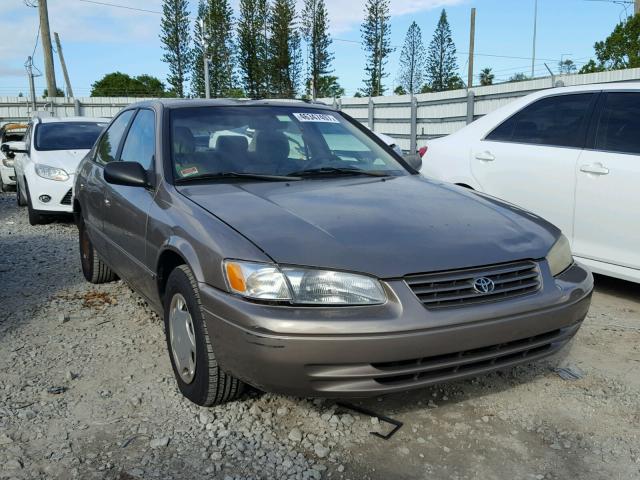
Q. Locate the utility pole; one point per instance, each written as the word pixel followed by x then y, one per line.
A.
pixel 46 48
pixel 205 60
pixel 472 36
pixel 29 66
pixel 63 64
pixel 636 7
pixel 535 25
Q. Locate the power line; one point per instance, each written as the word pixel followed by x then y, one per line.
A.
pixel 121 6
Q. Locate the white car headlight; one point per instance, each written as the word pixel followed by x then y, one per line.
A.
pixel 51 173
pixel 560 257
pixel 305 286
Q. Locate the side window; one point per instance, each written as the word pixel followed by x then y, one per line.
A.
pixel 619 123
pixel 139 145
pixel 557 121
pixel 108 146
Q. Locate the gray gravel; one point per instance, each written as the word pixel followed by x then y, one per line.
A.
pixel 86 391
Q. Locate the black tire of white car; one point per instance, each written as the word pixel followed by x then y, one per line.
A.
pixel 210 385
pixel 35 218
pixel 3 186
pixel 93 268
pixel 19 197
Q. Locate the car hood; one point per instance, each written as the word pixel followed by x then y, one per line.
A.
pixel 387 228
pixel 68 160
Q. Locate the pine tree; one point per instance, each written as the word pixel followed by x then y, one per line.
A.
pixel 176 40
pixel 315 31
pixel 253 47
pixel 441 58
pixel 376 33
pixel 285 54
pixel 197 63
pixel 219 28
pixel 412 61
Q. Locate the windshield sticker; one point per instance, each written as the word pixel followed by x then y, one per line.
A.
pixel 316 117
pixel 185 172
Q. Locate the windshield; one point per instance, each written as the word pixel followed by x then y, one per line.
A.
pixel 67 135
pixel 276 141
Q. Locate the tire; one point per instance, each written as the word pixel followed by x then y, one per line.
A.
pixel 35 218
pixel 3 186
pixel 202 380
pixel 19 197
pixel 93 268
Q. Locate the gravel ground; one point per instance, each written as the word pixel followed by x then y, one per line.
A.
pixel 86 391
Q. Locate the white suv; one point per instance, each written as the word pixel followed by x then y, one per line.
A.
pixel 46 162
pixel 9 133
pixel 570 155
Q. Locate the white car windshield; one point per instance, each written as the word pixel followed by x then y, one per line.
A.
pixel 67 135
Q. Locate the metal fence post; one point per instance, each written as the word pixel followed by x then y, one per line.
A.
pixel 76 107
pixel 413 142
pixel 339 106
pixel 470 110
pixel 371 113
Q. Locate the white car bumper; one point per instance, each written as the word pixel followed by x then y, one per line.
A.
pixel 8 175
pixel 59 193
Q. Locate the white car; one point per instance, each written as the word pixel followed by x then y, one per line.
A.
pixel 46 162
pixel 570 155
pixel 9 133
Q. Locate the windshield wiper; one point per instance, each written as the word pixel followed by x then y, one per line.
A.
pixel 250 176
pixel 312 172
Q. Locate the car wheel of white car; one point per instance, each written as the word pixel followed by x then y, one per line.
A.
pixel 19 197
pixel 3 186
pixel 196 369
pixel 93 268
pixel 35 218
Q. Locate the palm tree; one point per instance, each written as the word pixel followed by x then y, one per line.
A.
pixel 486 77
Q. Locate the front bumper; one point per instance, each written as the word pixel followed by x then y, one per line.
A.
pixel 7 174
pixel 363 351
pixel 59 192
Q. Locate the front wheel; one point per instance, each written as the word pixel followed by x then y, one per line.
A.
pixel 194 363
pixel 93 268
pixel 19 197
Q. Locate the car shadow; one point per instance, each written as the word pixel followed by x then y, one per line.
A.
pixel 616 287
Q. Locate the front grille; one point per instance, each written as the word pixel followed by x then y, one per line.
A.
pixel 438 367
pixel 455 288
pixel 66 200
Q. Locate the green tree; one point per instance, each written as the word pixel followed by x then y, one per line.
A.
pixel 412 61
pixel 176 42
pixel 619 50
pixel 399 90
pixel 315 32
pixel 327 87
pixel 197 64
pixel 376 37
pixel 59 93
pixel 566 66
pixel 518 77
pixel 591 67
pixel 253 47
pixel 118 84
pixel 285 54
pixel 486 77
pixel 441 57
pixel 220 47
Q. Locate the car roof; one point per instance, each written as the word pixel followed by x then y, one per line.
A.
pixel 71 119
pixel 175 103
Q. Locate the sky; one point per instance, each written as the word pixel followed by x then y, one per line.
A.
pixel 99 39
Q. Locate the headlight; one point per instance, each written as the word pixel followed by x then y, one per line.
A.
pixel 301 285
pixel 8 162
pixel 51 173
pixel 559 257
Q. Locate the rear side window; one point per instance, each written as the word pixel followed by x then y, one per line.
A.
pixel 619 125
pixel 140 143
pixel 556 121
pixel 110 141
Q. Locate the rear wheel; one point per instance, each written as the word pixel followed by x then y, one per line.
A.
pixel 93 268
pixel 194 363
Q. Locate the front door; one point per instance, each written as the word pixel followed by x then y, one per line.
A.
pixel 530 159
pixel 607 219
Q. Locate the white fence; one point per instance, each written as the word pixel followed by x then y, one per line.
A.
pixel 408 120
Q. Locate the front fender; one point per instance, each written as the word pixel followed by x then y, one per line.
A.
pixel 182 247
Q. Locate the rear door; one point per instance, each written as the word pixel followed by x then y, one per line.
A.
pixel 126 217
pixel 530 158
pixel 607 218
pixel 94 189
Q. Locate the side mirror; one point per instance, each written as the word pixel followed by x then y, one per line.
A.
pixel 130 174
pixel 15 147
pixel 414 160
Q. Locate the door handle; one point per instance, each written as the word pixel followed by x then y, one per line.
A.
pixel 485 156
pixel 595 168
